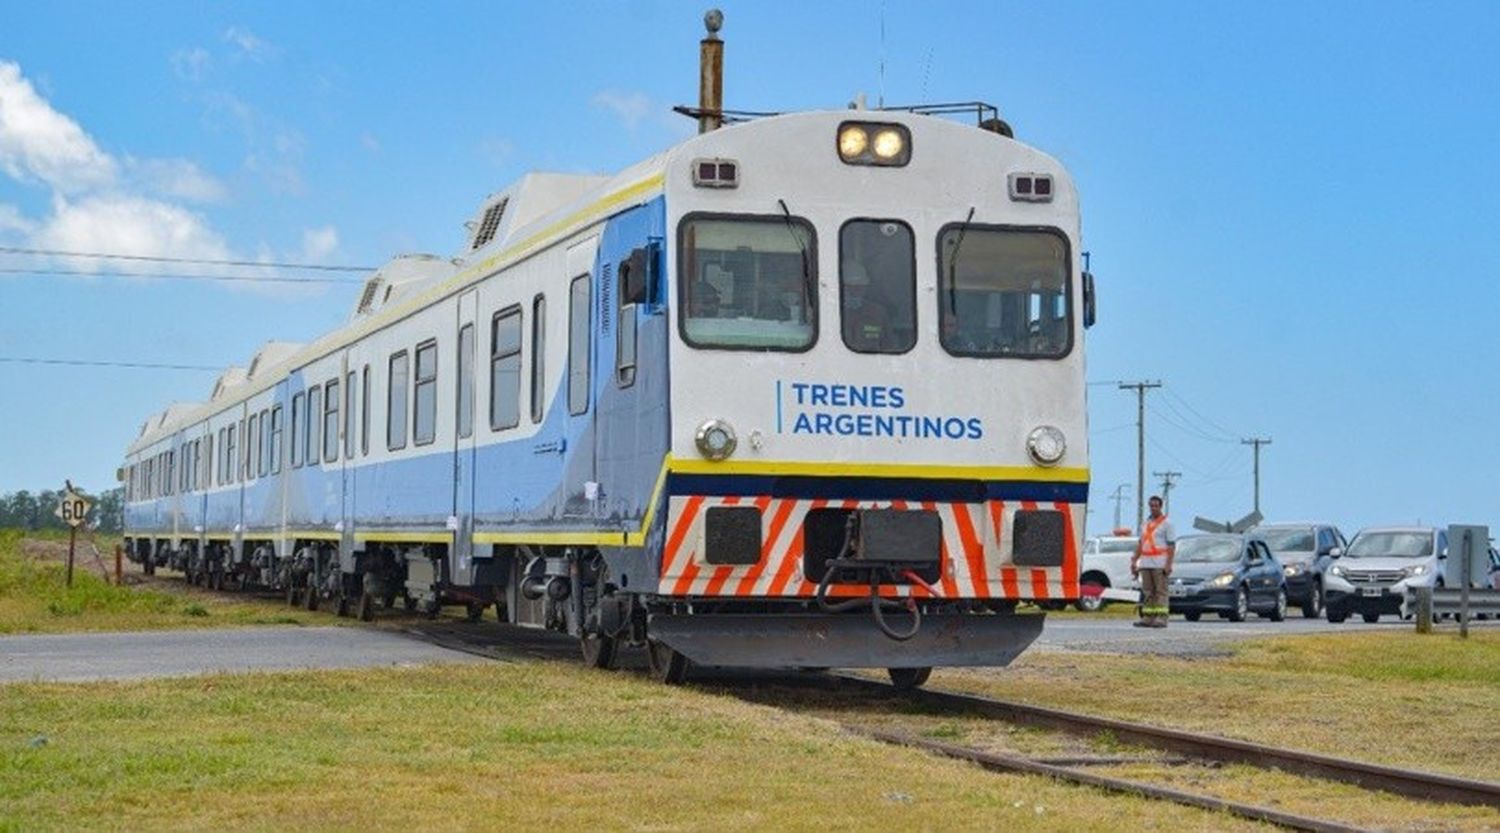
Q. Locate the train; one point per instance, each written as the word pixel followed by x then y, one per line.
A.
pixel 804 390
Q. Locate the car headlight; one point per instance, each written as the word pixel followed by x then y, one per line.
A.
pixel 1223 580
pixel 1046 445
pixel 1294 569
pixel 715 439
pixel 1416 570
pixel 1337 570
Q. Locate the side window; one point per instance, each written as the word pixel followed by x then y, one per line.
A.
pixel 314 418
pixel 395 411
pixel 296 442
pixel 364 412
pixel 264 446
pixel 349 423
pixel 1442 543
pixel 242 466
pixel 231 459
pixel 877 286
pixel 465 416
pixel 579 339
pixel 331 421
pixel 252 445
pixel 538 357
pixel 625 336
pixel 219 461
pixel 505 369
pixel 424 417
pixel 276 440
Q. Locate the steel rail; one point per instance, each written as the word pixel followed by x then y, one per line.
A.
pixel 1427 786
pixel 1009 763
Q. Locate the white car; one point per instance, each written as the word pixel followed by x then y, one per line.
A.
pixel 1372 576
pixel 1106 566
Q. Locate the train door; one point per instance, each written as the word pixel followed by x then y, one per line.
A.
pixel 349 422
pixel 631 440
pixel 464 435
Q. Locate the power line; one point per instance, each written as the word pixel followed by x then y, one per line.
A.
pixel 1214 425
pixel 1181 426
pixel 88 363
pixel 177 277
pixel 16 250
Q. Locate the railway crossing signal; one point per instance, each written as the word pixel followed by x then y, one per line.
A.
pixel 73 509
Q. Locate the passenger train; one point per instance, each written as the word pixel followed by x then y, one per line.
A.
pixel 805 390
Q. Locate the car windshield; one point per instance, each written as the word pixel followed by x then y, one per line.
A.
pixel 1125 545
pixel 1208 549
pixel 1288 539
pixel 1391 544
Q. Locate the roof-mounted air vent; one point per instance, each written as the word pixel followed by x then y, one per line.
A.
pixel 367 298
pixel 490 224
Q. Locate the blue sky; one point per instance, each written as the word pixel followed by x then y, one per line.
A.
pixel 1290 206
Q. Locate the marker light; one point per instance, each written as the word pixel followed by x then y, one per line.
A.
pixel 852 141
pixel 890 147
pixel 888 144
pixel 715 439
pixel 1046 445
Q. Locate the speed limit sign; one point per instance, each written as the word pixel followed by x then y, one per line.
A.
pixel 73 508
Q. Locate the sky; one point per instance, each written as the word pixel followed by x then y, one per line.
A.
pixel 1290 207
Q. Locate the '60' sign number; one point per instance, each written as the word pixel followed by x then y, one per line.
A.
pixel 73 508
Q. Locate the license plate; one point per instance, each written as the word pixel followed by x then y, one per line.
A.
pixel 1371 591
pixel 1177 590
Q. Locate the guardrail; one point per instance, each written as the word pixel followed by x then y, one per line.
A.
pixel 1432 602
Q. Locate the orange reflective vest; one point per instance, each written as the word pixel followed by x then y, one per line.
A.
pixel 1148 538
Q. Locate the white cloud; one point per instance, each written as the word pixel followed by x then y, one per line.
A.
pixel 122 224
pixel 177 178
pixel 319 243
pixel 39 143
pixel 249 44
pixel 630 108
pixel 191 64
pixel 12 220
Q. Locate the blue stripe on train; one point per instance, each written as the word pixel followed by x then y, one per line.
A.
pixel 875 488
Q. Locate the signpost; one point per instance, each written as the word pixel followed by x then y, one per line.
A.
pixel 73 509
pixel 1468 557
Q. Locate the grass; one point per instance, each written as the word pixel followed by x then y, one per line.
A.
pixel 1396 697
pixel 499 746
pixel 34 597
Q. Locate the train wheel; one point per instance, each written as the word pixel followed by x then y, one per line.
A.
pixel 598 650
pixel 341 606
pixel 668 666
pixel 906 679
pixel 310 598
pixel 364 611
pixel 408 602
pixel 291 594
pixel 475 611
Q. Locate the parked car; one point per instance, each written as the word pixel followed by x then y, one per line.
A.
pixel 1378 567
pixel 1231 575
pixel 1306 551
pixel 1105 572
pixel 1494 569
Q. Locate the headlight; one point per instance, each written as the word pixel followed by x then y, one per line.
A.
pixel 1223 580
pixel 1046 445
pixel 852 141
pixel 1337 570
pixel 1416 570
pixel 888 144
pixel 1294 569
pixel 716 439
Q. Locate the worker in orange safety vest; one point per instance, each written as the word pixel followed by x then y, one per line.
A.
pixel 1152 562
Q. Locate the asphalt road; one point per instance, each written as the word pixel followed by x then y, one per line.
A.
pixel 110 656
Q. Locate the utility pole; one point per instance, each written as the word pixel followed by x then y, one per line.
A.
pixel 1118 496
pixel 1257 442
pixel 1140 389
pixel 1166 488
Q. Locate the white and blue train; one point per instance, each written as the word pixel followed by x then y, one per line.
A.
pixel 805 390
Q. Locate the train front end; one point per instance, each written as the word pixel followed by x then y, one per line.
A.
pixel 878 425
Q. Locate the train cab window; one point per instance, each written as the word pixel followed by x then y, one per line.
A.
pixel 276 440
pixel 314 419
pixel 349 423
pixel 364 412
pixel 395 410
pixel 877 286
pixel 505 369
pixel 538 357
pixel 465 415
pixel 579 339
pixel 424 395
pixel 748 283
pixel 1003 292
pixel 331 421
pixel 296 433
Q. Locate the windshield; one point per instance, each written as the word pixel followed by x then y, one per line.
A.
pixel 1290 539
pixel 1388 544
pixel 744 285
pixel 1005 294
pixel 1125 545
pixel 1208 549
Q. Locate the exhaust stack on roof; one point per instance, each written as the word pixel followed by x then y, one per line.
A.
pixel 711 74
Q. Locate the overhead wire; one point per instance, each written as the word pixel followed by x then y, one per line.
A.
pixel 321 267
pixel 96 363
pixel 180 276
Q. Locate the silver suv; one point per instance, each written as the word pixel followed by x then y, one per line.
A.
pixel 1372 576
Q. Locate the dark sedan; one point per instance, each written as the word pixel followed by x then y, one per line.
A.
pixel 1231 575
pixel 1306 551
